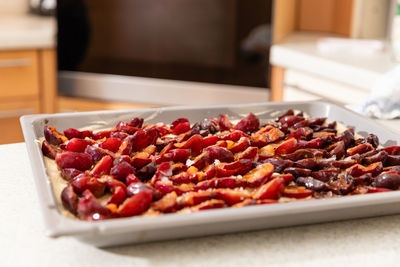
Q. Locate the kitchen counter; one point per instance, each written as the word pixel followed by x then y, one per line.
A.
pixel 361 242
pixel 299 52
pixel 24 31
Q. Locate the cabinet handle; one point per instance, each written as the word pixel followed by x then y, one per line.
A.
pixel 17 62
pixel 12 113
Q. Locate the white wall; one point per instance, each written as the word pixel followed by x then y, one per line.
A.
pixel 13 6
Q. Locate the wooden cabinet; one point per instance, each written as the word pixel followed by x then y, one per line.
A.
pixel 339 18
pixel 19 74
pixel 27 86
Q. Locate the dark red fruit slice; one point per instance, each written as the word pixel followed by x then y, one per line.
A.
pixel 79 161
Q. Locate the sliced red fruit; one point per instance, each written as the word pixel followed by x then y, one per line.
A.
pixel 147 172
pixel 290 120
pixel 69 199
pixel 388 179
pixel 184 178
pixel 273 135
pixel 220 153
pixel 301 133
pixel 136 188
pixel 182 127
pixel 297 192
pixel 178 121
pixel 202 160
pixel 359 149
pixel 267 151
pixel 111 144
pixel 113 184
pixel 164 170
pixel 102 167
pixel 144 138
pixel 358 170
pixel 72 133
pixel 259 175
pixel 120 159
pixel 279 164
pixel 131 178
pixel 287 177
pixel 194 198
pixel 209 171
pixel 258 141
pixel 162 128
pixel 76 160
pixel 140 160
pixel 233 135
pixel 122 126
pixel 250 153
pixel 392 150
pixel 286 147
pixel 121 170
pixel 240 167
pixel 166 203
pixel 210 140
pixel 231 197
pixel 77 144
pixel 84 182
pixel 271 190
pixel 313 143
pixel 126 146
pixel 102 134
pixel 224 122
pixel 49 150
pixel 136 204
pixel 248 124
pixel 69 173
pixel 136 122
pixel 166 149
pixel 194 143
pixel 53 136
pixel 302 172
pixel 341 186
pixel 179 155
pixel 96 152
pixel 166 186
pixel 240 145
pixel 224 182
pixel 89 208
pixel 118 196
pixel 151 149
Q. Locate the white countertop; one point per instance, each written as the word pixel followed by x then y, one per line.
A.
pixel 299 51
pixel 362 242
pixel 23 31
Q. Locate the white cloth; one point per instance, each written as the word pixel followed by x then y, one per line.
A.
pixel 384 100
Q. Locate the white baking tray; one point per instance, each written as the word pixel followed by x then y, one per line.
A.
pixel 171 226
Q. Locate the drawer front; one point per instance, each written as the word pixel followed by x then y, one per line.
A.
pixel 19 74
pixel 10 112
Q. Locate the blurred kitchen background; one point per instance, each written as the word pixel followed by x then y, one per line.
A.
pixel 81 55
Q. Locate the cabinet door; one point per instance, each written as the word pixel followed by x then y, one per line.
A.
pixel 19 75
pixel 10 112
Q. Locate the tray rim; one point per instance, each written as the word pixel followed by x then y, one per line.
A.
pixel 58 225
